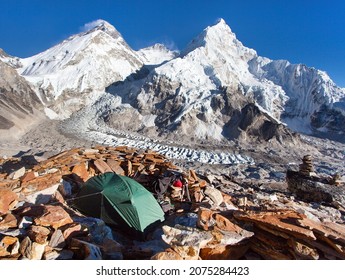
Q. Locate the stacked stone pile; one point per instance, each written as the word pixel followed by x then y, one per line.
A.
pixel 306 168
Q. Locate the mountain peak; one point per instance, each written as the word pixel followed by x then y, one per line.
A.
pixel 219 28
pixel 221 24
pixel 102 25
pixel 219 33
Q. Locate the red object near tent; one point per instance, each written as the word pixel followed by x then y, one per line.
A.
pixel 177 184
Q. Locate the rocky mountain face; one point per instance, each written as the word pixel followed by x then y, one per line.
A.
pixel 315 104
pixel 19 105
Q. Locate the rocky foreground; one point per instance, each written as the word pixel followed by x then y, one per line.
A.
pixel 212 217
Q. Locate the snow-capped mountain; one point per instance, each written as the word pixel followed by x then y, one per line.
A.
pixel 70 73
pixel 216 89
pixel 203 92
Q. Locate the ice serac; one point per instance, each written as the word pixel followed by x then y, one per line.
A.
pixel 20 107
pixel 69 74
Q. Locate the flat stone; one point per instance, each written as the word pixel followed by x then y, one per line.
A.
pixel 43 196
pixel 229 232
pixel 185 236
pixel 37 250
pixel 284 221
pixel 333 231
pixel 187 252
pixel 169 254
pixel 58 255
pixel 102 166
pixel 224 252
pixel 50 255
pixel 26 248
pixel 57 240
pixel 8 199
pixel 38 234
pixel 17 174
pixel 81 171
pixel 9 246
pixel 115 166
pixel 302 251
pixel 58 197
pixel 73 230
pixel 40 183
pixel 31 175
pixel 54 216
pixel 8 221
pixel 112 249
pixel 66 188
pixel 215 195
pixel 90 151
pixel 205 220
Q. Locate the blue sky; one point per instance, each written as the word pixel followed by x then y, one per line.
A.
pixel 302 31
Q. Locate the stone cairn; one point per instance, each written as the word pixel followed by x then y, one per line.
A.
pixel 306 168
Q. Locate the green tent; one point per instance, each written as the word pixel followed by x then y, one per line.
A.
pixel 119 201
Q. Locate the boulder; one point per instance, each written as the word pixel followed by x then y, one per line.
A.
pixel 96 228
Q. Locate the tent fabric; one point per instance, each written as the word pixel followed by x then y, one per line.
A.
pixel 119 201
